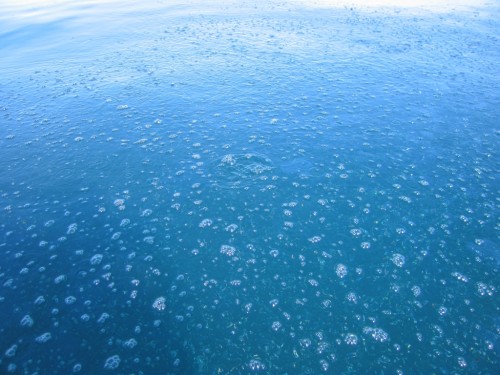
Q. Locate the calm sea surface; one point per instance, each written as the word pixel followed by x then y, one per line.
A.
pixel 240 187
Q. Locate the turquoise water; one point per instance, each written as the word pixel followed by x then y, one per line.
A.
pixel 248 187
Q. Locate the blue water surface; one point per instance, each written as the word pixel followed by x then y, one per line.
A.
pixel 239 187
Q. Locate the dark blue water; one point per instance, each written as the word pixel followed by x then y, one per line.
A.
pixel 249 187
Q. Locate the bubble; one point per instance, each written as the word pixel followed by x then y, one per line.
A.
pixel 205 223
pixel 256 365
pixel 323 364
pixel 72 228
pixel 322 347
pixel 378 334
pixel 85 317
pixel 59 279
pixel 11 352
pixel 43 338
pixel 39 300
pixel 341 270
pixel 119 202
pixel 274 253
pixel 130 343
pixel 460 277
pixel 416 290
pixel 112 362
pixel 400 231
pixel 461 362
pixel 274 302
pixel 103 318
pixel 352 297
pixel 228 159
pixel 276 326
pixel 398 259
pixel 96 259
pixel 313 282
pixel 160 304
pixel 231 228
pixel 49 223
pixel 248 307
pixel 124 222
pixel 351 339
pixel 484 289
pixel 315 239
pixel 149 240
pixel 77 367
pixel 27 321
pixel 228 250
pixel 305 343
pixel 70 300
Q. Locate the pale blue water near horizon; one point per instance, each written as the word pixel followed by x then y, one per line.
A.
pixel 248 187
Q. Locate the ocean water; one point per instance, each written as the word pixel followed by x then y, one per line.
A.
pixel 248 187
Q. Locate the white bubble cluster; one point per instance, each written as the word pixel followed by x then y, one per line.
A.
pixel 44 337
pixel 378 334
pixel 160 303
pixel 70 300
pixel 484 289
pixel 274 253
pixel 124 222
pixel 324 365
pixel 103 318
pixel 228 250
pixel 231 228
pixel 398 260
pixel 274 302
pixel 205 223
pixel 356 232
pixel 27 321
pixel 72 228
pixel 315 239
pixel 351 339
pixel 276 326
pixel 416 290
pixel 256 365
pixel 112 362
pixel 130 343
pixel 341 270
pixel 352 297
pixel 96 259
pixel 11 351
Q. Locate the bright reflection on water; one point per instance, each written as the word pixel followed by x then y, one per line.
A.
pixel 248 187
